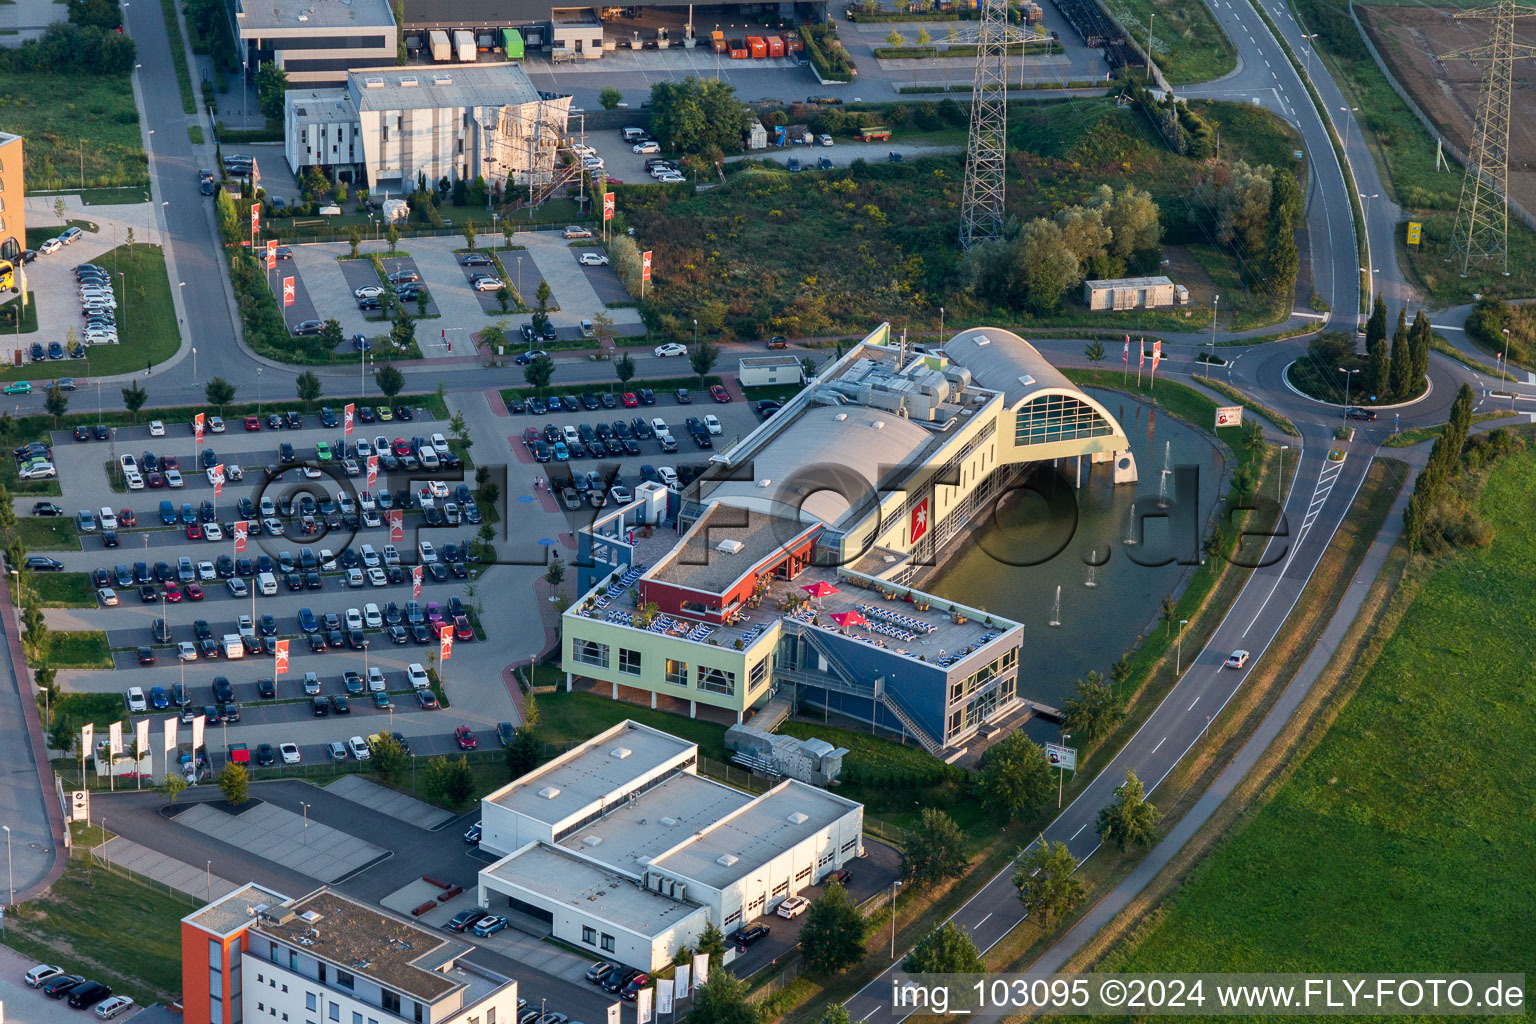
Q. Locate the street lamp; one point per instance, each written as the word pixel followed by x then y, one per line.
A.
pixel 894 887
pixel 1280 476
pixel 258 391
pixel 941 325
pixel 1061 772
pixel 1347 111
pixel 1215 312
pixel 306 821
pixel 696 335
pixel 1347 374
pixel 10 878
pixel 1309 38
pixel 1178 661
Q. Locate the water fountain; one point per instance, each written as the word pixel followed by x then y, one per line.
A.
pixel 1130 527
pixel 1056 608
pixel 1093 559
pixel 1163 474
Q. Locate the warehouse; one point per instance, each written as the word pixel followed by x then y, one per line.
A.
pixel 389 128
pixel 620 847
pixel 316 41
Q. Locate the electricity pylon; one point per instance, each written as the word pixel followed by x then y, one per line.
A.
pixel 986 167
pixel 1482 216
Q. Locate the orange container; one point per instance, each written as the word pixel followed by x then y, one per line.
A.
pixel 775 46
pixel 757 47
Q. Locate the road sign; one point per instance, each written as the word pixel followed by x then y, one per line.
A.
pixel 1229 416
pixel 1061 757
pixel 80 805
pixel 1415 230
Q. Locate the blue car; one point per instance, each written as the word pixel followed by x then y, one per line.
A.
pixel 55 350
pixel 562 453
pixel 489 925
pixel 307 621
pixel 159 699
pixel 188 515
pixel 167 513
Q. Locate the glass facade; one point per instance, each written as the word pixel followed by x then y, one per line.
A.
pixel 1058 418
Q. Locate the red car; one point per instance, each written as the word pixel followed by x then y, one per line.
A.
pixel 125 517
pixel 193 591
pixel 194 531
pixel 169 462
pixel 629 400
pixel 402 446
pixel 718 393
pixel 461 629
pixel 155 481
pixel 465 738
pixel 253 423
pixel 173 592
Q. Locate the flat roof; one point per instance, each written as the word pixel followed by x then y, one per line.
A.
pixel 761 829
pixel 769 361
pixel 363 941
pixel 699 562
pixel 628 837
pixel 439 86
pixel 230 913
pixel 586 774
pixel 1129 282
pixel 301 16
pixel 562 876
pixel 321 106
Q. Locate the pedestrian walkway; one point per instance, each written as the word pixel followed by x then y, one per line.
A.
pixel 127 855
pixel 388 802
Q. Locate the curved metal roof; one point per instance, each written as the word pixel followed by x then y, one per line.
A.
pixel 1002 361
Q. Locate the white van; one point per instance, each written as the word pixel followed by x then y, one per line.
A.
pixel 370 557
pixel 267 584
pixel 428 457
pixel 234 646
pixel 416 675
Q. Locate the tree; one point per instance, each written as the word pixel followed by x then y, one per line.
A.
pixel 555 574
pixel 1094 351
pixel 1283 261
pixel 421 307
pixel 542 295
pixel 1132 218
pixel 723 1000
pixel 354 239
pixel 523 753
pixel 894 38
pixel 219 392
pixel 1419 337
pixel 392 236
pixel 539 372
pixel 460 429
pixel 609 98
pixel 503 297
pixel 935 849
pixel 1168 609
pixel 1376 326
pixel 308 387
pixel 833 937
pixel 1046 264
pixel 1047 882
pixel 712 942
pixel 173 786
pixel 1131 820
pixel 1401 373
pixel 1242 207
pixel 507 231
pixel 837 1013
pixel 56 402
pixel 271 86
pixel 945 950
pixel 1014 777
pixel 331 335
pixel 469 233
pixel 389 757
pixel 702 359
pixel 31 616
pixel 924 37
pixel 389 379
pixel 624 368
pixel 235 783
pixel 402 333
pixel 698 116
pixel 8 520
pixel 1094 710
pixel 1085 234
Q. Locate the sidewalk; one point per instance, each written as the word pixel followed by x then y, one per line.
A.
pixel 173 874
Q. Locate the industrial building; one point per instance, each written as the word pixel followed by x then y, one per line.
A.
pixel 387 128
pixel 1134 293
pixel 619 846
pixel 316 41
pixel 256 955
pixel 762 371
pixel 789 567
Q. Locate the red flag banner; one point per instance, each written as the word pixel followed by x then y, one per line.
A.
pixel 255 218
pixel 197 427
pixel 416 583
pixel 396 526
pixel 272 254
pixel 280 663
pixel 241 532
pixel 1125 353
pixel 218 480
pixel 373 478
pixel 645 265
pixel 1157 355
pixel 347 414
pixel 445 642
pixel 288 291
pixel 608 206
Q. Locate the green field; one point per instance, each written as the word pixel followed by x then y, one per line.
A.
pixel 65 118
pixel 1187 44
pixel 1403 841
pixel 569 718
pixel 84 649
pixel 60 590
pixel 48 534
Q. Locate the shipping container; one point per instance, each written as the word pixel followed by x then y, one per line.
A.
pixel 464 42
pixel 757 47
pixel 442 49
pixel 775 46
pixel 512 43
pixel 718 39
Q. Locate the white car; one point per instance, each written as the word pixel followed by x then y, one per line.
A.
pixel 107 596
pixel 216 424
pixel 671 348
pixel 416 675
pixel 372 617
pixel 487 284
pixel 668 475
pixel 41 973
pixel 592 163
pixel 671 178
pixel 213 477
pixel 647 147
pixel 375 679
pixel 378 577
pixel 112 1006
pixel 273 526
pixel 174 479
pixel 50 247
pixel 366 502
pixel 136 700
pixel 237 587
pixel 108 519
pixel 358 748
pixel 290 752
pixel 825 140
pixel 156 428
pixel 354 618
pixel 129 463
pixel 592 259
pixel 205 571
pixel 368 291
pixel 440 445
pixel 41 471
pixel 793 906
pixel 213 531
pixel 186 651
pixel 1237 659
pixel 436 488
pixel 133 480
pixel 364 448
pixel 712 423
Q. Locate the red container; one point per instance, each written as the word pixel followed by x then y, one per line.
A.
pixel 756 46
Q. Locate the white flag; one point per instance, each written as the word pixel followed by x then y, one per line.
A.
pixel 115 738
pixel 613 1012
pixel 87 737
pixel 141 737
pixel 700 970
pixel 198 724
pixel 642 1006
pixel 170 736
pixel 663 996
pixel 680 981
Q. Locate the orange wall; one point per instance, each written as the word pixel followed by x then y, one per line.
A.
pixel 194 973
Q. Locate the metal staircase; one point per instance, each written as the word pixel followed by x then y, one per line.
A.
pixel 908 722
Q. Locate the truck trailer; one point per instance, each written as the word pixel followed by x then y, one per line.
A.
pixel 464 42
pixel 442 49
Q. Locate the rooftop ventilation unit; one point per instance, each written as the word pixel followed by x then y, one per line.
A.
pixel 983 340
pixel 730 547
pixel 410 80
pixel 669 822
pixel 765 482
pixel 840 416
pixel 373 83
pixel 442 79
pixel 798 818
pixel 1027 380
pixel 877 424
pixel 549 792
pixel 592 840
pixel 282 915
pixel 620 753
pixel 310 916
pixel 727 860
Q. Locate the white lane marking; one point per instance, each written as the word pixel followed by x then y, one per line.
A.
pixel 1160 744
pixel 1192 704
pixel 982 921
pixel 1079 831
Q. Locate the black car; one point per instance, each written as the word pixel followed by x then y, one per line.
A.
pixel 266 689
pixel 1357 413
pixel 684 396
pixel 752 933
pixel 400 739
pixel 549 333
pixel 58 988
pixel 319 707
pixel 466 919
pixel 42 563
pixel 618 978
pixel 369 303
pixel 88 994
pixel 307 327
pixel 646 396
pixel 264 756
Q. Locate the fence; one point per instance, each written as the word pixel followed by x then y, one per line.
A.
pixel 87 856
pixel 735 775
pixel 325 770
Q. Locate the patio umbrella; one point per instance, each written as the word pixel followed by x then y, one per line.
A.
pixel 849 618
pixel 820 589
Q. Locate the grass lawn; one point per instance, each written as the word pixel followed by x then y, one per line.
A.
pixel 1187 44
pixel 28 316
pixel 101 924
pixel 660 385
pixel 83 649
pixel 60 590
pixel 570 718
pixel 65 117
pixel 1402 841
pixel 48 534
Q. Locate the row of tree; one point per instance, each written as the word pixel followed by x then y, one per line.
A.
pixel 1255 210
pixel 1399 372
pixel 71 49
